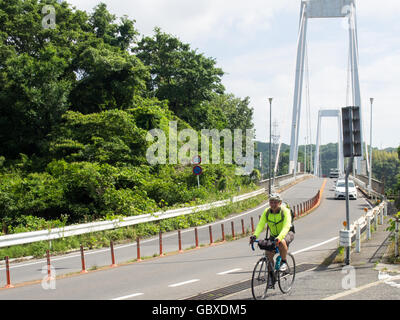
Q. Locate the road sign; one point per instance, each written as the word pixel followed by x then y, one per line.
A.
pixel 197 170
pixel 196 160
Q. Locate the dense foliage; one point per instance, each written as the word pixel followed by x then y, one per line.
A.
pixel 76 103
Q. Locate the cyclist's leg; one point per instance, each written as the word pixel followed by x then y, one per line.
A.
pixel 270 255
pixel 284 245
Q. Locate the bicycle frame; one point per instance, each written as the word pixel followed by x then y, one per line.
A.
pixel 273 270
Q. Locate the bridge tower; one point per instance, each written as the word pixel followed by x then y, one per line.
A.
pixel 323 9
pixel 340 157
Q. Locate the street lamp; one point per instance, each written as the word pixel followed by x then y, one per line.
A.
pixel 270 150
pixel 370 151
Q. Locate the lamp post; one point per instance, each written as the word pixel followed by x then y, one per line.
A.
pixel 370 152
pixel 270 152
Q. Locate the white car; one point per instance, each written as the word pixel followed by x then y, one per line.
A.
pixel 340 190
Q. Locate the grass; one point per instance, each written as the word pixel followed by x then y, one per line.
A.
pixel 390 257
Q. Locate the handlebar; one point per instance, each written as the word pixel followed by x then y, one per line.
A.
pixel 276 247
pixel 252 244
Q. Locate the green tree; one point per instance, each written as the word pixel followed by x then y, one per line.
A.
pixel 178 74
pixel 83 65
pixel 103 25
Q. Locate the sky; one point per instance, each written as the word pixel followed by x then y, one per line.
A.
pixel 255 43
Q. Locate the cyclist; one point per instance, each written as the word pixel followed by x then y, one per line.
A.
pixel 279 221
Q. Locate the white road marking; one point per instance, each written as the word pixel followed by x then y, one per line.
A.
pixel 129 296
pixel 229 271
pixel 316 245
pixel 183 283
pixel 355 290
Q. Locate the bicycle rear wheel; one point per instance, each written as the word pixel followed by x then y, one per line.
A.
pixel 259 280
pixel 286 278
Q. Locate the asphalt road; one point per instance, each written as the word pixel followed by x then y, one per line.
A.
pixel 193 272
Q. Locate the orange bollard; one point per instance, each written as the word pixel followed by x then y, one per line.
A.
pixel 160 240
pixel 48 265
pixel 196 236
pixel 180 241
pixel 113 265
pixel 83 261
pixel 138 249
pixel 9 285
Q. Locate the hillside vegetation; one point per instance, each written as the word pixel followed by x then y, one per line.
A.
pixel 76 103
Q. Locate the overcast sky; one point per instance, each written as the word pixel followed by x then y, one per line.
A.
pixel 254 42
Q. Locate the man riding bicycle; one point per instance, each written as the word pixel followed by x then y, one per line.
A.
pixel 279 221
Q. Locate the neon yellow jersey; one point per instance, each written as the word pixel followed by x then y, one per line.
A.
pixel 278 227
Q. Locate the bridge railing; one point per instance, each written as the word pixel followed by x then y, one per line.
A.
pixel 74 230
pixel 363 187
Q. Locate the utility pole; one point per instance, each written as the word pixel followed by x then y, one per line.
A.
pixel 370 153
pixel 270 150
pixel 305 154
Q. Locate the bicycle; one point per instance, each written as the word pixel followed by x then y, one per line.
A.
pixel 261 275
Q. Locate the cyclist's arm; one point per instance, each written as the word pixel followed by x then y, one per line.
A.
pixel 287 222
pixel 261 224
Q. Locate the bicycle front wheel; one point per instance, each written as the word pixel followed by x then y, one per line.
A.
pixel 286 278
pixel 259 280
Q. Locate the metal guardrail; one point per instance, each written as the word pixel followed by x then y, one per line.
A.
pixel 361 225
pixel 74 230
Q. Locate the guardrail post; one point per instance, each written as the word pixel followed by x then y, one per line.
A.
pixel 358 238
pixel 9 285
pixel 112 254
pixel 223 232
pixel 180 241
pixel 381 213
pixel 233 230
pixel 368 227
pixel 252 225
pixel 138 258
pixel 196 237
pixel 83 261
pixel 375 220
pixel 211 237
pixel 242 227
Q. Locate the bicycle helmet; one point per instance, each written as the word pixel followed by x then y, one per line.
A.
pixel 275 196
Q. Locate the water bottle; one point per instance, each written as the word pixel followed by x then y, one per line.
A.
pixel 278 262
